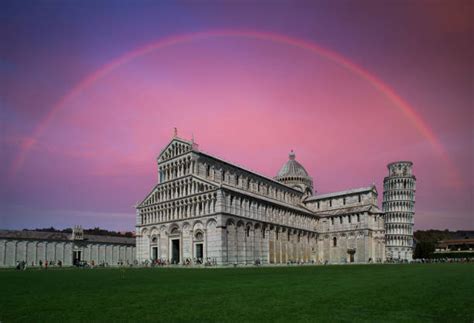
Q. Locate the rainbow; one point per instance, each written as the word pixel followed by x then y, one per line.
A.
pixel 400 103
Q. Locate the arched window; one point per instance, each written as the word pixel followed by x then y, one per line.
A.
pixel 334 242
pixel 248 231
pixel 208 171
pixel 199 236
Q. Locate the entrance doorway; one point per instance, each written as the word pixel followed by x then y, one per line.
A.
pixel 199 252
pixel 175 251
pixel 351 253
pixel 154 253
pixel 76 257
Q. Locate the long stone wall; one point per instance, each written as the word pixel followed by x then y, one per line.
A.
pixel 34 251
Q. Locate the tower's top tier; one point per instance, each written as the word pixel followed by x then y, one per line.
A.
pixel 400 168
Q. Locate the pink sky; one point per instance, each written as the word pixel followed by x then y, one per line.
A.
pixel 247 100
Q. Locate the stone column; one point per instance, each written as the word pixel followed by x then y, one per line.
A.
pixel 265 251
pixel 3 249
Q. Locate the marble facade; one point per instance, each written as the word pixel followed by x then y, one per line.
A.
pixel 206 209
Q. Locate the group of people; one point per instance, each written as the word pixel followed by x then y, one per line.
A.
pixel 187 262
pixel 199 261
pixel 22 265
pixel 157 262
pixel 92 264
pixel 396 261
pixel 442 260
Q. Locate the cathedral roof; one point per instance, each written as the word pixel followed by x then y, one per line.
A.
pixel 292 168
pixel 348 210
pixel 341 193
pixel 273 180
pixel 299 207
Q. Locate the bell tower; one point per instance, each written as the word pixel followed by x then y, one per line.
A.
pixel 399 208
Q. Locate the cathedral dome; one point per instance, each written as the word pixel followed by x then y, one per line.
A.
pixel 292 168
pixel 293 174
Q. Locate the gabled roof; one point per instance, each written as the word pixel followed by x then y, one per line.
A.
pixel 342 193
pixel 194 148
pixel 34 235
pixel 175 139
pixel 200 152
pixel 348 210
pixel 446 243
pixel 192 176
pixel 269 200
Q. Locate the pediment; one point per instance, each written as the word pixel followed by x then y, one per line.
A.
pixel 150 199
pixel 154 197
pixel 175 148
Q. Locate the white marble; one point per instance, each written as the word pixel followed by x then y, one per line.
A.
pixel 241 217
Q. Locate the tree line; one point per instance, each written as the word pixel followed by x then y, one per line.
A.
pixel 426 240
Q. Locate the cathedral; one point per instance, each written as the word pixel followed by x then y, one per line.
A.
pixel 208 210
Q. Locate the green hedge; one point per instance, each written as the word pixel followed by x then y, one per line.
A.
pixel 453 255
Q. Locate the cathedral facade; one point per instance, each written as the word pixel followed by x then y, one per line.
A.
pixel 205 209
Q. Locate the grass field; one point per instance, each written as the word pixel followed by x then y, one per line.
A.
pixel 435 292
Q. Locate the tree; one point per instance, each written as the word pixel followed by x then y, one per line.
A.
pixel 424 249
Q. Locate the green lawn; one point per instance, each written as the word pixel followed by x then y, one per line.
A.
pixel 435 292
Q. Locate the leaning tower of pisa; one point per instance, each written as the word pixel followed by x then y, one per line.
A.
pixel 399 208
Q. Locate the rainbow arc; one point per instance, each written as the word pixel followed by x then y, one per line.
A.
pixel 408 111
